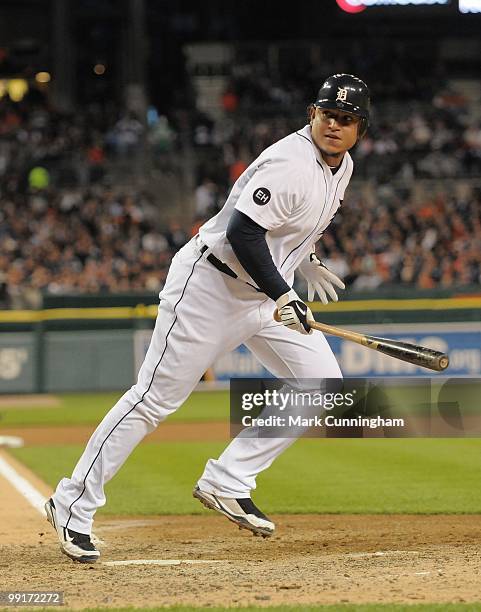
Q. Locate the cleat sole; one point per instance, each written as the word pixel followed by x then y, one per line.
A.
pixel 237 520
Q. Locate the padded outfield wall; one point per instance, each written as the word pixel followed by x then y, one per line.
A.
pixel 92 349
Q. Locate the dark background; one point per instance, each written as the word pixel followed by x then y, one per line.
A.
pixel 45 34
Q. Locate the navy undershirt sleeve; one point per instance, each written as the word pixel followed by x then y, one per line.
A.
pixel 248 242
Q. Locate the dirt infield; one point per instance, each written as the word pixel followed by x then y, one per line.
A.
pixel 27 402
pixel 312 559
pixel 212 431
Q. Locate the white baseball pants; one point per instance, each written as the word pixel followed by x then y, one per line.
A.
pixel 203 314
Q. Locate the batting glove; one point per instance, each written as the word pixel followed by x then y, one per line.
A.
pixel 319 279
pixel 294 313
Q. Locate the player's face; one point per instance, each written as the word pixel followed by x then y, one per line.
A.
pixel 334 131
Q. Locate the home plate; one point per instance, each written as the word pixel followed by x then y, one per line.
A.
pixel 163 562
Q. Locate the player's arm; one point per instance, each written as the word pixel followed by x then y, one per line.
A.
pixel 248 241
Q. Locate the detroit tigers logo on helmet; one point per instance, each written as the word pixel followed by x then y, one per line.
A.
pixel 347 93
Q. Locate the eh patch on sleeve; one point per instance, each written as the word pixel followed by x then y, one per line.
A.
pixel 261 196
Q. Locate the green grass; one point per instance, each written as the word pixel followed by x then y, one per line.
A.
pixel 320 476
pixel 89 409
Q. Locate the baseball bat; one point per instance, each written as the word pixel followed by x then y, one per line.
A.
pixel 412 353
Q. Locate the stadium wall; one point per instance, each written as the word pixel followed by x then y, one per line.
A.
pixel 68 349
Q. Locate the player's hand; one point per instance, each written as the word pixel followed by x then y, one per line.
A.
pixel 319 279
pixel 294 313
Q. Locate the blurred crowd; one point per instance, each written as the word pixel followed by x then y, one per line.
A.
pixel 40 146
pixel 410 238
pixel 422 236
pixel 98 240
pixel 73 241
pixel 66 228
pixel 419 228
pixel 417 139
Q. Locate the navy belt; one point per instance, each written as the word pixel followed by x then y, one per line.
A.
pixel 222 267
pixel 217 263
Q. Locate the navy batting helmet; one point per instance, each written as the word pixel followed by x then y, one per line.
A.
pixel 348 93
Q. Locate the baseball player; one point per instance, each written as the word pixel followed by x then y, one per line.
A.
pixel 221 291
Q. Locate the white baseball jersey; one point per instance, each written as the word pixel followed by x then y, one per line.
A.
pixel 290 191
pixel 204 313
